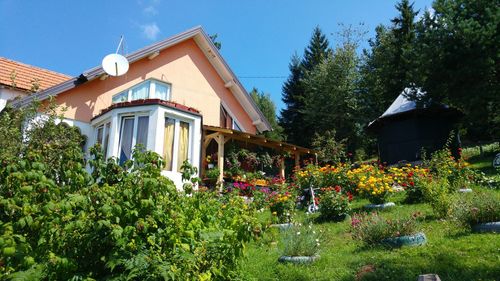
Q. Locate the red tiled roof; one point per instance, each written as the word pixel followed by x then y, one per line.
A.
pixel 26 74
pixel 170 104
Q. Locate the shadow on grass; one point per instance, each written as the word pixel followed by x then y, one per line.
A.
pixel 448 266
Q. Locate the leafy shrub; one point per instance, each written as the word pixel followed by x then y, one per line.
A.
pixel 333 204
pixel 57 222
pixel 372 228
pixel 438 193
pixel 477 208
pixel 301 241
pixel 282 204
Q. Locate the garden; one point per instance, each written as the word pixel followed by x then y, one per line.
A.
pixel 127 222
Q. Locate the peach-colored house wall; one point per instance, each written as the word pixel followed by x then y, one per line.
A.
pixel 194 81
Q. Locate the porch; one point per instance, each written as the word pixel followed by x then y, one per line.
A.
pixel 218 139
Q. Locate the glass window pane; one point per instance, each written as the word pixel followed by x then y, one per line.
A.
pixel 126 139
pixel 106 139
pixel 121 97
pixel 183 144
pixel 142 131
pixel 162 91
pixel 140 92
pixel 99 135
pixel 168 143
pixel 236 127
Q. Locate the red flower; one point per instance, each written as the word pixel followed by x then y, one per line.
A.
pixel 349 196
pixel 337 188
pixel 412 183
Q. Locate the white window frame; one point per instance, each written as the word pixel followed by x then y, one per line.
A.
pixel 102 125
pixel 175 153
pixel 151 93
pixel 135 116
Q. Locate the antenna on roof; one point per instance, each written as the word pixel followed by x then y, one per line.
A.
pixel 115 64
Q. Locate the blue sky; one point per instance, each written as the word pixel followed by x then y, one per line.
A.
pixel 258 36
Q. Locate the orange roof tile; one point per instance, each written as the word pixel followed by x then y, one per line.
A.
pixel 26 74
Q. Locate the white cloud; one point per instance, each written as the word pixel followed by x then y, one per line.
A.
pixel 151 30
pixel 150 10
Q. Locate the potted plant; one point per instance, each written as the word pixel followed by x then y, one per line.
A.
pixel 211 177
pixel 301 245
pixel 374 229
pixel 480 212
pixel 333 204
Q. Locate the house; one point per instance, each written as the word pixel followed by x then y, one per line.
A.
pixel 19 79
pixel 405 129
pixel 178 96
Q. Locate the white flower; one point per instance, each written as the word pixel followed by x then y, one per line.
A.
pixel 298 233
pixel 317 240
pixel 310 227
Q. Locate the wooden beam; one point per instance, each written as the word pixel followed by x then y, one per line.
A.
pixel 297 160
pixel 220 160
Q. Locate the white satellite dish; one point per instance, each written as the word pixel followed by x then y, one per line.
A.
pixel 115 64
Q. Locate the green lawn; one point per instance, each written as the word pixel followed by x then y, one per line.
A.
pixel 451 251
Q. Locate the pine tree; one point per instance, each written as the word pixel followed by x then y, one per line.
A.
pixel 268 108
pixel 294 95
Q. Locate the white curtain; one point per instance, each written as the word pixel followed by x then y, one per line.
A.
pixel 126 139
pixel 106 139
pixel 161 91
pixel 141 91
pixel 142 131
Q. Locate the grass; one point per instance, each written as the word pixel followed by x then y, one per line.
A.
pixel 451 252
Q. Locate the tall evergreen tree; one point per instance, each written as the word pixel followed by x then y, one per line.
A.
pixel 293 94
pixel 459 61
pixel 389 67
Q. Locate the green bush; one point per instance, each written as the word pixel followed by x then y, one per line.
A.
pixel 57 222
pixel 372 228
pixel 477 208
pixel 333 204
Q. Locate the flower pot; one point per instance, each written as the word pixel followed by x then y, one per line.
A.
pixel 407 240
pixel 380 206
pixel 465 190
pixel 493 227
pixel 282 226
pixel 298 259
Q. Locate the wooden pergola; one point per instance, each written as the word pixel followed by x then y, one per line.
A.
pixel 222 136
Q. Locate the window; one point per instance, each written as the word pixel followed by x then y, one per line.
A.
pixel 176 143
pixel 134 131
pixel 102 137
pixel 226 121
pixel 150 89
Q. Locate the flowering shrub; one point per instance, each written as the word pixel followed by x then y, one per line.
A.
pixel 281 203
pixel 301 241
pixel 478 208
pixel 373 183
pixel 411 178
pixel 372 228
pixel 333 204
pixel 244 189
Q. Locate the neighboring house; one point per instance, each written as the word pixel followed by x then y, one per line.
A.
pixel 404 129
pixel 177 96
pixel 19 79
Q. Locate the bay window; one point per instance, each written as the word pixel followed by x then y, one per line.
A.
pixel 176 143
pixel 134 131
pixel 103 137
pixel 150 89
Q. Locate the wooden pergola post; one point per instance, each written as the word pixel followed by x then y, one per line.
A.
pixel 297 160
pixel 220 159
pixel 282 167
